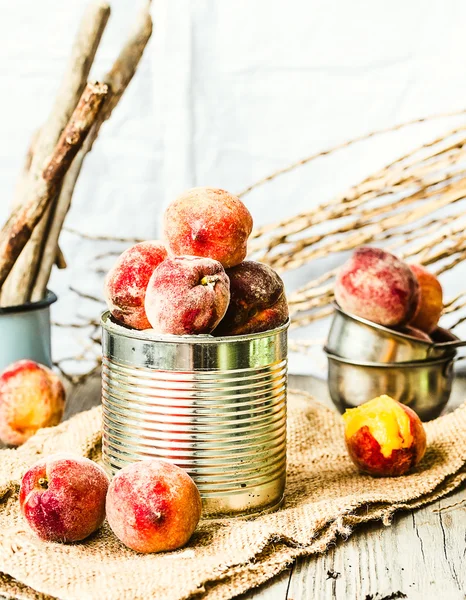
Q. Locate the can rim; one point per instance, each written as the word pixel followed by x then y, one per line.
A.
pixel 45 302
pixel 109 325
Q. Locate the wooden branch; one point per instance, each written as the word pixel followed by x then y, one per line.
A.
pixel 60 259
pixel 21 223
pixel 19 286
pixel 117 80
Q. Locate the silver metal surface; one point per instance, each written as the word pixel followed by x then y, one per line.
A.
pixel 25 332
pixel 359 339
pixel 423 386
pixel 213 406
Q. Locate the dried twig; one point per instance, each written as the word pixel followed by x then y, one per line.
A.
pixel 20 225
pixel 345 144
pixel 102 238
pixel 117 79
pixel 19 287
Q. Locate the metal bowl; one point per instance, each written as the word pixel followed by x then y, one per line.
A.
pixel 424 386
pixel 358 339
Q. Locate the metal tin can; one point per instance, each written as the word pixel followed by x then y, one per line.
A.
pixel 213 406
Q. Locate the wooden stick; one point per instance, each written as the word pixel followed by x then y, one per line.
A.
pixel 117 80
pixel 18 289
pixel 21 223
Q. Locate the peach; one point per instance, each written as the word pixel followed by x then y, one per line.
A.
pixel 377 286
pixel 62 497
pixel 384 437
pixel 153 506
pixel 208 222
pixel 417 333
pixel 187 295
pixel 31 397
pixel 257 300
pixel 430 303
pixel 126 282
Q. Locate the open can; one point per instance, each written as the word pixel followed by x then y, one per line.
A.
pixel 214 406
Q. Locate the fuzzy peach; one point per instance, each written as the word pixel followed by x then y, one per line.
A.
pixel 153 506
pixel 187 295
pixel 62 497
pixel 31 397
pixel 430 303
pixel 126 282
pixel 376 285
pixel 208 222
pixel 384 437
pixel 257 300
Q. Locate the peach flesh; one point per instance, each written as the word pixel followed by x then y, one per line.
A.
pixel 31 397
pixel 62 497
pixel 126 282
pixel 153 506
pixel 384 437
pixel 208 222
pixel 376 285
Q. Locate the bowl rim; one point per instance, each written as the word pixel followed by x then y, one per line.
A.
pixel 403 365
pixel 393 332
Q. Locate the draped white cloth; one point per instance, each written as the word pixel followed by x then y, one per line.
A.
pixel 227 93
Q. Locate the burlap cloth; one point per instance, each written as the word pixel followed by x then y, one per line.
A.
pixel 325 498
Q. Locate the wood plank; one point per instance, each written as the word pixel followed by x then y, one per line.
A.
pixel 275 589
pixel 421 556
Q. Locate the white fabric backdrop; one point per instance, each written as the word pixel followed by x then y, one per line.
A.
pixel 227 93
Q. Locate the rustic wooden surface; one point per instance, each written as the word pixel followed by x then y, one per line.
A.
pixel 420 557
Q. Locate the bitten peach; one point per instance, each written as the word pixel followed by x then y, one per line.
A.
pixel 31 397
pixel 384 437
pixel 187 295
pixel 153 506
pixel 430 303
pixel 208 222
pixel 257 300
pixel 62 497
pixel 126 282
pixel 375 285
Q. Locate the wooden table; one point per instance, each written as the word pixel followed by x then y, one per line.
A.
pixel 422 556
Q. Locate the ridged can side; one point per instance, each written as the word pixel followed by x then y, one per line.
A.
pixel 214 406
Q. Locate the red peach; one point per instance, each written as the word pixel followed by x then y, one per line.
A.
pixel 257 300
pixel 153 506
pixel 430 303
pixel 31 397
pixel 375 285
pixel 384 437
pixel 62 497
pixel 126 282
pixel 208 222
pixel 187 295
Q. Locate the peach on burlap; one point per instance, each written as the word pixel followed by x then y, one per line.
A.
pixel 325 498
